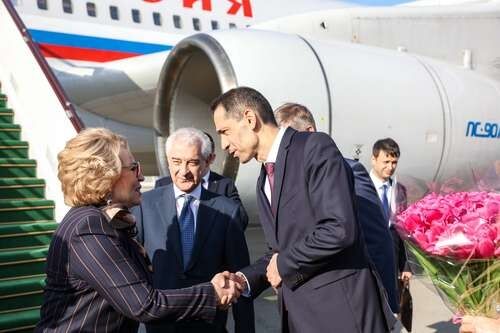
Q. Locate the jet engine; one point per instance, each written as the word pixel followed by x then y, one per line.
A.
pixel 445 118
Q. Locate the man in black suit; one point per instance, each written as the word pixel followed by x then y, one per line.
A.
pixel 190 232
pixel 370 214
pixel 392 194
pixel 305 193
pixel 215 183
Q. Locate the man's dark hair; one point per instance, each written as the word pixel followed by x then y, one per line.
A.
pixel 296 115
pixel 388 145
pixel 236 100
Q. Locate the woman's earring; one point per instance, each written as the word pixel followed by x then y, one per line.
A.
pixel 109 201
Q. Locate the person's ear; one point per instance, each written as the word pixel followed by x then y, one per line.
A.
pixel 211 159
pixel 251 118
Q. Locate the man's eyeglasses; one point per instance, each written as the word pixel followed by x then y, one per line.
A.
pixel 134 167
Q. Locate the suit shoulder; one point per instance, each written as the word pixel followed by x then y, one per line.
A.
pixel 82 220
pixel 223 203
pixel 318 142
pixel 215 177
pixel 152 194
pixel 162 181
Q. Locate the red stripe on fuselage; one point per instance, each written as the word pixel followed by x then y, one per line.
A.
pixel 78 53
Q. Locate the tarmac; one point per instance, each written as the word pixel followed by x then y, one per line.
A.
pixel 430 314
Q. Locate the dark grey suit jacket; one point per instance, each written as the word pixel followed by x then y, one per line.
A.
pixel 328 284
pixel 219 245
pixel 376 234
pixel 97 281
pixel 221 185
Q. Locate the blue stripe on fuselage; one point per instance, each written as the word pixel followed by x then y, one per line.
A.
pixel 58 38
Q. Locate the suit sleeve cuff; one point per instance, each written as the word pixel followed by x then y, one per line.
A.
pixel 246 290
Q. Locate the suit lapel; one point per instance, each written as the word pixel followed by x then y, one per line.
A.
pixel 212 185
pixel 167 209
pixel 279 169
pixel 204 222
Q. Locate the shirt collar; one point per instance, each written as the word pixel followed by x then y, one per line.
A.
pixel 196 193
pixel 273 152
pixel 205 178
pixel 379 182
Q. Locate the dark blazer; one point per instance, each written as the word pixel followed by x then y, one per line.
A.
pixel 219 245
pixel 97 281
pixel 217 184
pixel 377 236
pixel 328 284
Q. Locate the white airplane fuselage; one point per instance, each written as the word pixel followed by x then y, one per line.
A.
pixel 108 55
pixel 425 73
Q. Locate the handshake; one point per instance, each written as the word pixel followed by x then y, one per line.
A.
pixel 228 287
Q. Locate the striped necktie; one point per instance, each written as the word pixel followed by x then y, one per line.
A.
pixel 186 221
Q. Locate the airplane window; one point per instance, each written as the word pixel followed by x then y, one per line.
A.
pixel 196 24
pixel 215 25
pixel 113 13
pixel 177 21
pixel 136 15
pixel 156 18
pixel 232 26
pixel 42 4
pixel 67 6
pixel 91 10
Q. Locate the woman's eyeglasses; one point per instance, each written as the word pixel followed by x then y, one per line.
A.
pixel 134 167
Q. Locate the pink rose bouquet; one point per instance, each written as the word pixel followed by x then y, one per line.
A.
pixel 456 240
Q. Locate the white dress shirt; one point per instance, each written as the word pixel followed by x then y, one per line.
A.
pixel 195 204
pixel 271 158
pixel 391 189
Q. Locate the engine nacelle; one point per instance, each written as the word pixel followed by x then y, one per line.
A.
pixel 444 118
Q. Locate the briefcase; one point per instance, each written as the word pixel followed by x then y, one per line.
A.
pixel 405 304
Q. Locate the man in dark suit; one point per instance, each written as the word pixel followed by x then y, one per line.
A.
pixel 317 260
pixel 392 194
pixel 190 233
pixel 370 214
pixel 215 183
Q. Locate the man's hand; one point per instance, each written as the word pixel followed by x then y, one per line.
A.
pixel 406 275
pixel 227 290
pixel 273 276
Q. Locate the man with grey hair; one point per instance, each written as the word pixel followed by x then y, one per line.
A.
pixel 214 182
pixel 191 233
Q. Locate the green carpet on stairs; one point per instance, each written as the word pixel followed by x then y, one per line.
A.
pixel 26 228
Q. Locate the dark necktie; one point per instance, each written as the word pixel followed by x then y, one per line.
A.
pixel 186 220
pixel 385 201
pixel 270 174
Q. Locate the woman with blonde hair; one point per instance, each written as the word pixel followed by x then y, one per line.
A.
pixel 98 275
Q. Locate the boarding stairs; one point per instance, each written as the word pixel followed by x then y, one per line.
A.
pixel 26 226
pixel 30 139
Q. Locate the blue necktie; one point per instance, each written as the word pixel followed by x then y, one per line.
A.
pixel 385 201
pixel 186 220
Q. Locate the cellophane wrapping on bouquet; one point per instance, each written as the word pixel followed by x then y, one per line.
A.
pixel 456 239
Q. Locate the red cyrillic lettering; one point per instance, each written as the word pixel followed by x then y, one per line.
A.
pixel 205 4
pixel 237 5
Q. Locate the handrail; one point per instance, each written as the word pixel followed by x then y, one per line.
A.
pixel 44 66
